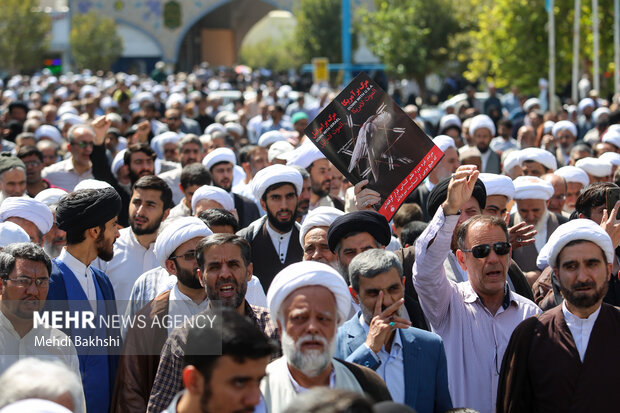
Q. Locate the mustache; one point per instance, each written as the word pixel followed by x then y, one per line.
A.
pixel 223 281
pixel 310 338
pixel 587 284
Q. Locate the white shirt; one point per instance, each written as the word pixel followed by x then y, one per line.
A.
pixel 392 367
pixel 83 274
pixel 580 328
pixel 180 210
pixel 280 241
pixel 173 179
pixel 181 305
pixel 63 174
pixel 130 261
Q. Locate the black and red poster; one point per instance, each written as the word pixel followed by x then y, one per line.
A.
pixel 366 135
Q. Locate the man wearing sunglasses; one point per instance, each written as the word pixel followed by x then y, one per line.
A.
pixel 474 317
pixel 68 173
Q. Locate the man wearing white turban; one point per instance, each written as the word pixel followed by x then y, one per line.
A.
pixel 313 235
pixel 310 300
pixel 482 130
pixel 33 216
pixel 274 237
pixel 568 352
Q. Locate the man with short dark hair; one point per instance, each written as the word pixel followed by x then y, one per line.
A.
pixel 378 337
pixel 33 160
pixel 220 221
pixel 274 237
pixel 12 176
pixel 193 176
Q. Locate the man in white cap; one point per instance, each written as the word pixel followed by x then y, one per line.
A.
pixel 190 151
pixel 564 133
pixel 556 203
pixel 66 174
pixel 576 180
pixel 220 164
pixel 176 252
pixel 224 268
pixel 308 156
pixel 211 197
pixel 586 107
pixel 252 159
pixel 447 166
pixel 274 237
pixel 11 233
pixel 313 235
pixel 511 165
pixel 12 176
pixel 612 137
pixel 133 250
pixel 537 162
pixel 33 216
pixel 478 313
pixel 531 196
pixel 55 238
pixel 566 359
pixel 310 301
pixel 482 129
pixel 613 158
pixel 598 170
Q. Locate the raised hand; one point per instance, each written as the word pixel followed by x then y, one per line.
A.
pixel 460 188
pixel 365 198
pixel 383 324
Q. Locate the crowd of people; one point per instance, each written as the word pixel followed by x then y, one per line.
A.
pixel 492 289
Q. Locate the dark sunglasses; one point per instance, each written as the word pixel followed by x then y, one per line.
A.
pixel 483 250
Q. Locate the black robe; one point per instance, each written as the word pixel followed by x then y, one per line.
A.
pixel 542 371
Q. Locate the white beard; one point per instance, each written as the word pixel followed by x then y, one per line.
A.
pixel 312 362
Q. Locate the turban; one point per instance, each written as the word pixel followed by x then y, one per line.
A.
pixel 278 149
pixel 585 103
pixel 539 155
pixel 238 175
pixel 530 103
pixel 34 211
pixel 176 231
pixel 70 119
pixel 166 138
pixel 219 155
pixel 611 157
pixel 612 136
pixel 305 274
pixel 145 97
pixel 91 184
pixel 449 121
pixel 497 185
pixel 298 116
pixel 573 174
pixel 613 128
pixel 469 152
pixel 359 221
pixel 305 155
pixel 444 142
pixel 598 112
pixel 34 406
pixel 7 161
pixel 511 160
pixel 50 196
pixel 175 98
pixel 481 121
pixel 11 233
pixel 215 127
pixel 119 161
pixel 564 125
pixel 48 131
pixel 270 137
pixel 87 208
pixel 576 229
pixel 318 217
pixel 532 187
pixel 548 127
pixel 234 127
pixel 440 193
pixel 594 166
pixel 213 193
pixel 276 174
pixel 66 108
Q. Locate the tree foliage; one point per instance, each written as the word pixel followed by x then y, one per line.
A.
pixel 272 54
pixel 95 43
pixel 23 35
pixel 510 43
pixel 318 31
pixel 411 37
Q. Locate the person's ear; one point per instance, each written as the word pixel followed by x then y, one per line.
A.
pixel 263 205
pixel 250 271
pixel 166 213
pixel 193 380
pixel 460 256
pixel 171 267
pixel 93 232
pixel 404 280
pixel 354 295
pixel 200 279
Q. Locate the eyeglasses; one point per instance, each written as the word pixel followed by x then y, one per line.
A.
pixel 483 250
pixel 173 118
pixel 25 282
pixel 188 256
pixel 83 144
pixel 33 164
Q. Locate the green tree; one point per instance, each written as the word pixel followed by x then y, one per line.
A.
pixel 510 42
pixel 411 37
pixel 23 34
pixel 95 43
pixel 273 54
pixel 318 31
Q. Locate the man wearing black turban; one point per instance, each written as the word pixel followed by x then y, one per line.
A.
pixel 89 218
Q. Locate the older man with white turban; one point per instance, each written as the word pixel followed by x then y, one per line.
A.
pixel 598 170
pixel 313 235
pixel 565 133
pixel 55 238
pixel 209 197
pixel 576 180
pixel 482 130
pixel 274 237
pixel 310 301
pixel 220 163
pixel 537 162
pixel 573 346
pixel 444 168
pixel 11 233
pixel 33 216
pixel 531 196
